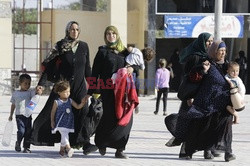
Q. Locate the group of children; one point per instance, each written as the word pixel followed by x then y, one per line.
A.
pixel 62 118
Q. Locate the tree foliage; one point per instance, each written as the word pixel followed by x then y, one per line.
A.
pixel 24 21
pixel 101 5
pixel 75 6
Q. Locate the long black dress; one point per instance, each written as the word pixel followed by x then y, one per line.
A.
pixel 108 133
pixel 74 67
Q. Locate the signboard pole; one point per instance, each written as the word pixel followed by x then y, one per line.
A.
pixel 217 19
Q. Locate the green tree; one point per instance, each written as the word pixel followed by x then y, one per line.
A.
pixel 75 6
pixel 24 21
pixel 101 5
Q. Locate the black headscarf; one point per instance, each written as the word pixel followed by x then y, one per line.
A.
pixel 197 47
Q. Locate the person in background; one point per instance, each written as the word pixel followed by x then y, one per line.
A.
pixel 62 117
pixel 20 99
pixel 162 78
pixel 108 60
pixel 73 65
pixel 177 70
pixel 242 61
pixel 233 76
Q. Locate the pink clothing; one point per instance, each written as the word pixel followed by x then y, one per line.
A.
pixel 162 78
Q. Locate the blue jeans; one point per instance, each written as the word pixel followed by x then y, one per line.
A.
pixel 23 130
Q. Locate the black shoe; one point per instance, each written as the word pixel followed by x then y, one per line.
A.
pixel 164 114
pixel 17 147
pixel 170 142
pixel 208 154
pixel 216 153
pixel 173 142
pixel 229 156
pixel 26 150
pixel 156 112
pixel 102 151
pixel 120 154
pixel 90 148
pixel 185 156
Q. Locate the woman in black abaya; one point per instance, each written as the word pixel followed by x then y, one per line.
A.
pixel 108 60
pixel 71 57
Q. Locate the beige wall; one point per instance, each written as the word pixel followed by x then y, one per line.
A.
pixel 92 27
pixel 131 25
pixel 118 17
pixel 6 47
pixel 137 22
pixel 6 34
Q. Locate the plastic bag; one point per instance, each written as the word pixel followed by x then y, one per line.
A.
pixel 7 133
pixel 32 105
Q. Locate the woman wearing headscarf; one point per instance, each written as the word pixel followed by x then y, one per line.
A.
pixel 197 47
pixel 68 60
pixel 193 58
pixel 211 123
pixel 108 60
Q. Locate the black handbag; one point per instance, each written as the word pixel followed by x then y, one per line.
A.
pixel 94 115
pixel 187 89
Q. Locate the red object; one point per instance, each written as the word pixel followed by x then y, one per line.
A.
pixel 126 98
pixel 58 62
pixel 195 76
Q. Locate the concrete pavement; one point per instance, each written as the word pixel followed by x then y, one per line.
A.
pixel 146 146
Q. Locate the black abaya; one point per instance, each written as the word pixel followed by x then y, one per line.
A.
pixel 74 67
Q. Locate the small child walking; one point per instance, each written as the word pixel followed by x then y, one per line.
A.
pixel 20 99
pixel 162 78
pixel 62 117
pixel 233 76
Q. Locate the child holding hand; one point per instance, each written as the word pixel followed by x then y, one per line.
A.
pixel 62 117
pixel 19 100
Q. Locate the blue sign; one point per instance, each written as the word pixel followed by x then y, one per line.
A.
pixel 192 26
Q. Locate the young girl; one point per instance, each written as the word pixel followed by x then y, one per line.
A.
pixel 62 117
pixel 162 78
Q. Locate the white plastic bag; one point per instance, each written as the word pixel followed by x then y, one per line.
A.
pixel 7 133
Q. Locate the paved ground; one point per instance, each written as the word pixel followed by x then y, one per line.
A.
pixel 146 145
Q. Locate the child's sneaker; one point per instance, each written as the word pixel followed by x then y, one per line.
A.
pixel 17 147
pixel 61 152
pixel 26 150
pixel 70 152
